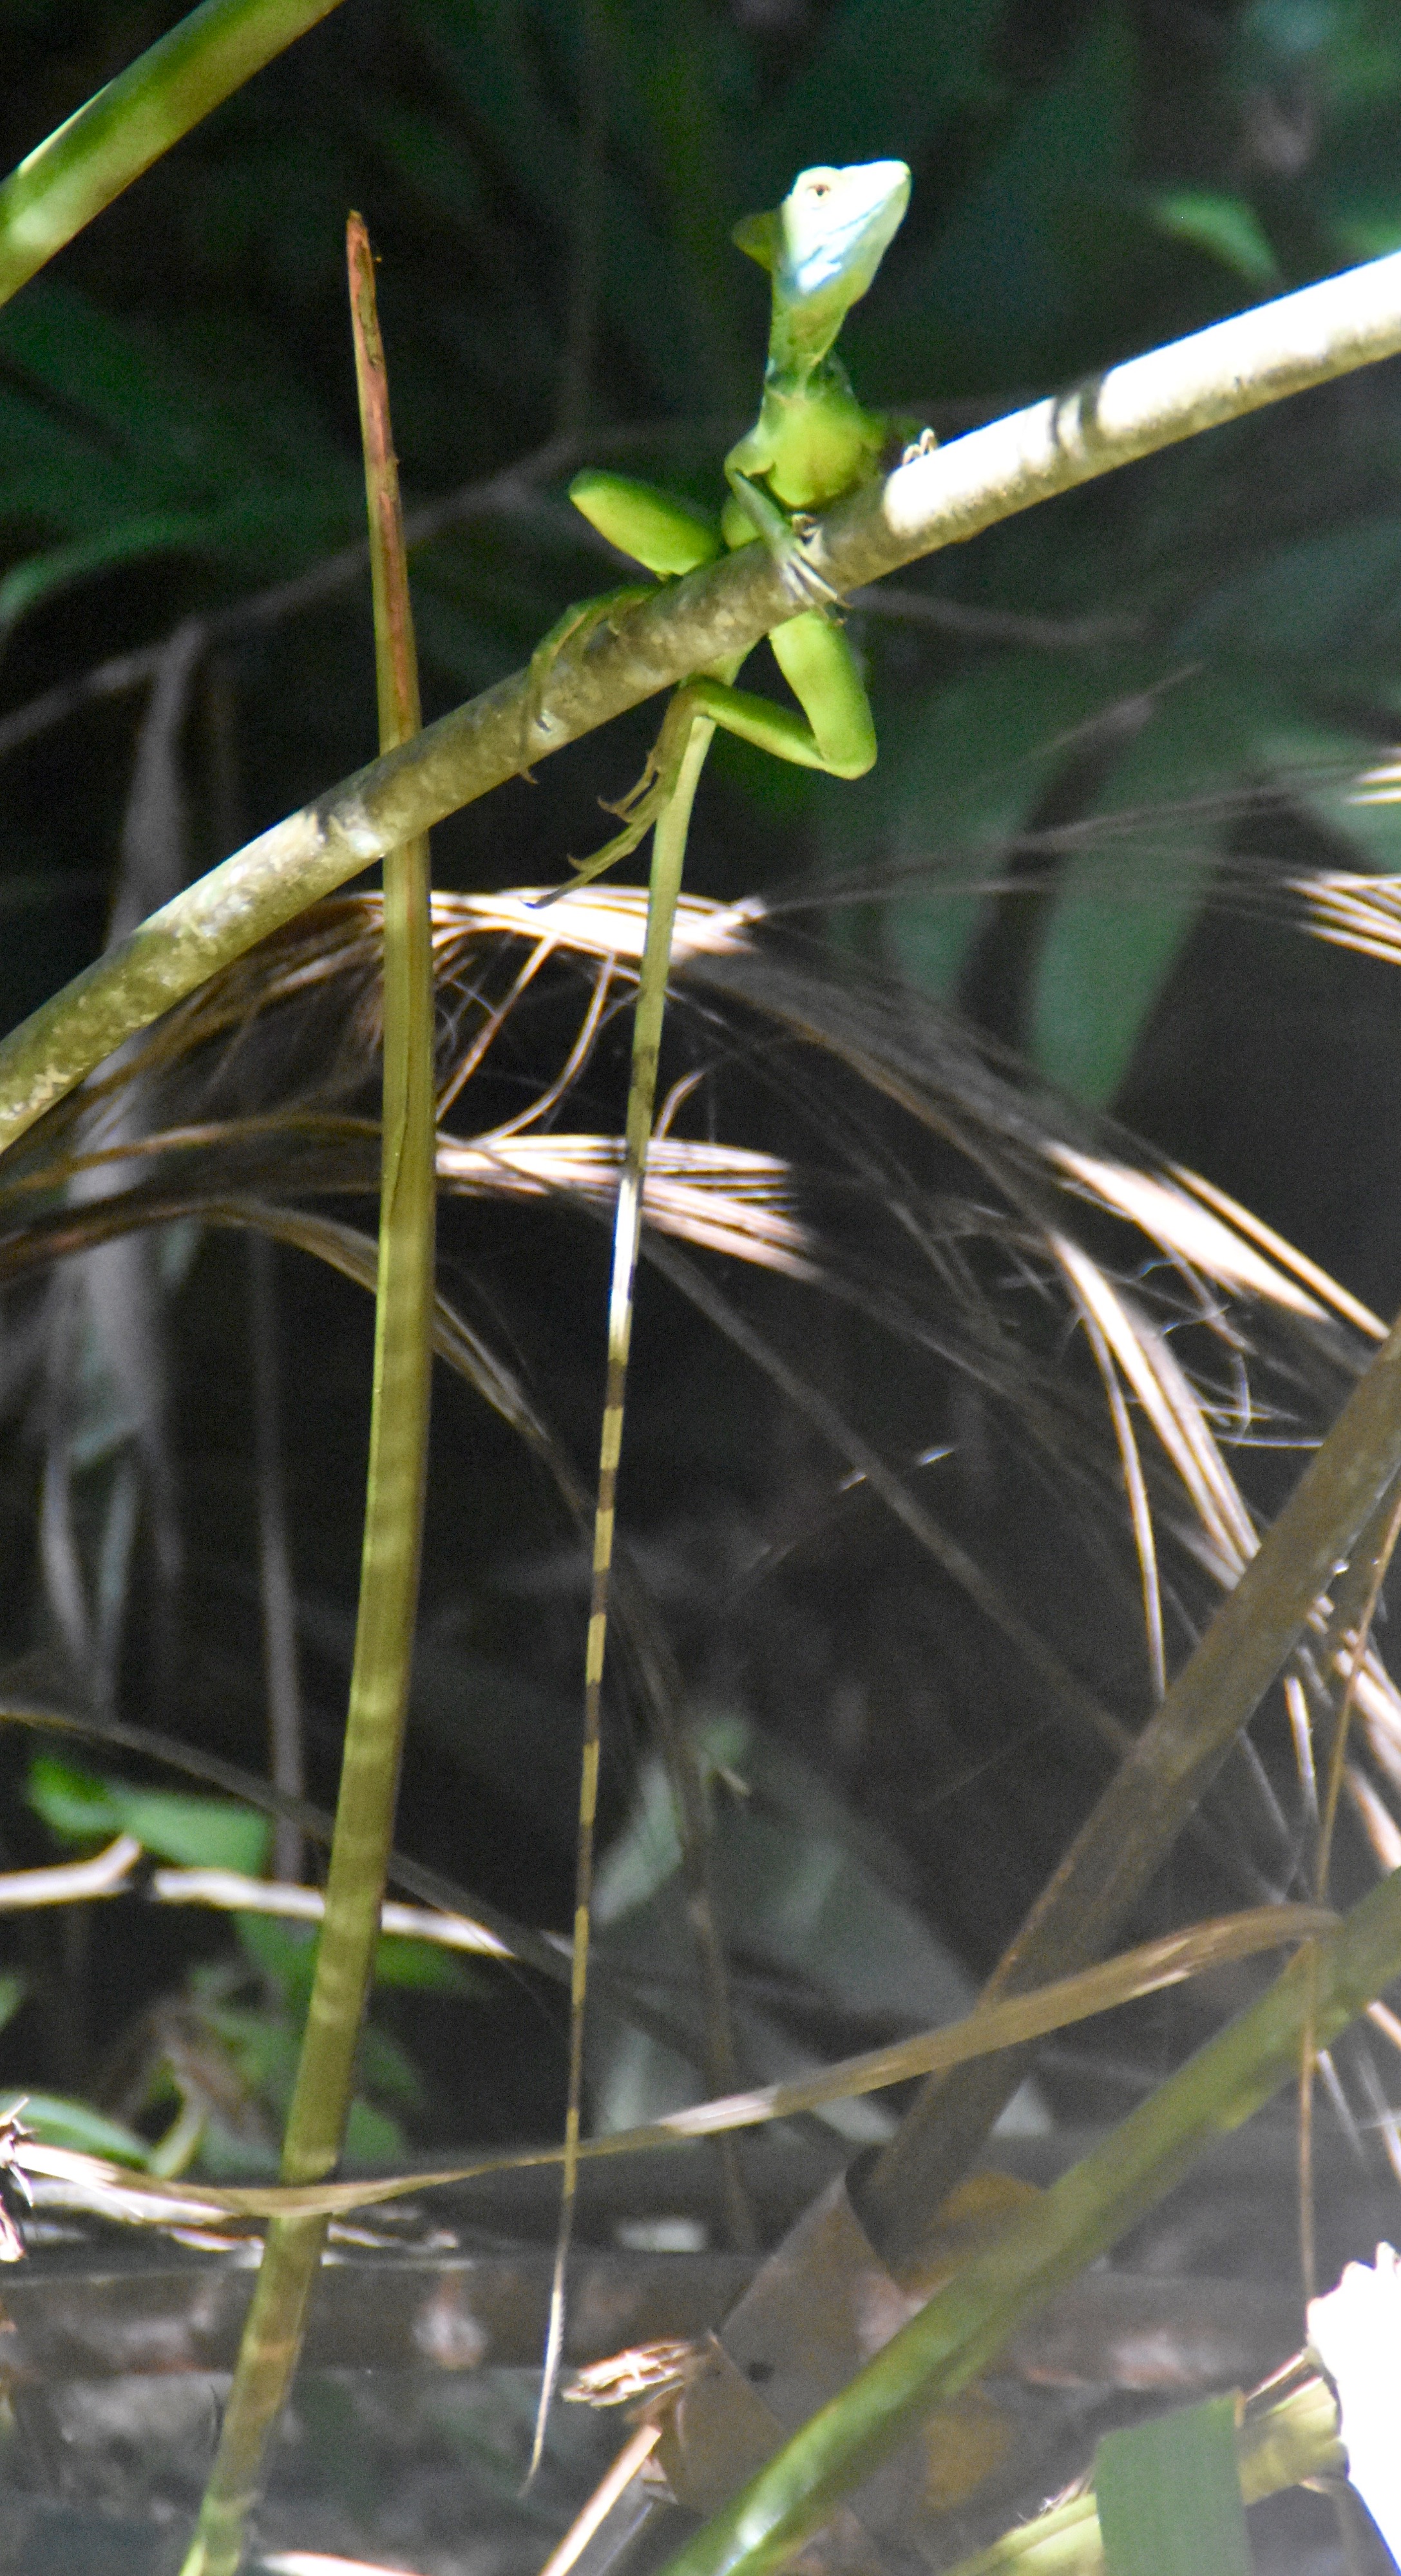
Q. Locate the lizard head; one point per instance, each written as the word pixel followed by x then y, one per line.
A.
pixel 825 242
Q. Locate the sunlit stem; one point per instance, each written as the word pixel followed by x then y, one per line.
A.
pixel 936 500
pixel 961 2329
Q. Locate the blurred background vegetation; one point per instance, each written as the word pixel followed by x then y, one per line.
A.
pixel 1113 732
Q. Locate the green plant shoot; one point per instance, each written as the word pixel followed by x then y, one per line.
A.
pixel 1168 2494
pixel 393 1533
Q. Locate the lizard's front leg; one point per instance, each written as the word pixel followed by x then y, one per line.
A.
pixel 576 623
pixel 755 513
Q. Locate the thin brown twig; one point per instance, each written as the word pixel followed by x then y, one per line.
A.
pixel 995 625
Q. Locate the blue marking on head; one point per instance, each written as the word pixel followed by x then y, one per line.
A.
pixel 837 225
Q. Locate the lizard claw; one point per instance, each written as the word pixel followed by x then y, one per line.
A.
pixel 804 584
pixel 924 445
pixel 576 624
pixel 810 588
pixel 644 802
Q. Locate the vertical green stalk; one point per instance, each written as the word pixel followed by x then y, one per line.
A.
pixel 95 154
pixel 393 1531
pixel 1159 1783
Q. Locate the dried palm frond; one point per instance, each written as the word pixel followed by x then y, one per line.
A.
pixel 941 1194
pixel 1011 1178
pixel 1011 1298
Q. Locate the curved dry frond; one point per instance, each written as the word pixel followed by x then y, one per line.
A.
pixel 1211 1237
pixel 1353 911
pixel 724 1198
pixel 1122 1327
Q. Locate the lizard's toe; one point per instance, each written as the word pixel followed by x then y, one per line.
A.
pixel 806 586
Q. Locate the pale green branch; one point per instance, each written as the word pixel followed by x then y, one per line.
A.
pixel 393 1531
pixel 89 160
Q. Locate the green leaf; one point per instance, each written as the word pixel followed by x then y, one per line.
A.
pixel 373 2138
pixel 961 769
pixel 283 1954
pixel 951 2340
pixel 887 76
pixel 1006 274
pixel 1368 236
pixel 196 1833
pixel 673 65
pixel 60 567
pixel 1329 596
pixel 490 57
pixel 116 446
pixel 808 1890
pixel 61 2123
pixel 386 2071
pixel 401 1960
pixel 1125 911
pixel 1169 2495
pixel 1226 227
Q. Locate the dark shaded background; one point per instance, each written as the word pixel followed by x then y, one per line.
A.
pixel 550 187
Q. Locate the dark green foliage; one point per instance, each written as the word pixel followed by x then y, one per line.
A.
pixel 177 434
pixel 176 394
pixel 221 2060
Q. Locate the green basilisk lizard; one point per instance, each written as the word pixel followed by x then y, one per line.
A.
pixel 811 444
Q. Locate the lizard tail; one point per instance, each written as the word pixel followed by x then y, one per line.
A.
pixel 668 860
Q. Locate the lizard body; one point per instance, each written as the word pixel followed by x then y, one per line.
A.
pixel 811 444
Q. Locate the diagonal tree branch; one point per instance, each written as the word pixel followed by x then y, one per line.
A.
pixel 935 500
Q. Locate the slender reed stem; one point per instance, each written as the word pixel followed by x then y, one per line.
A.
pixel 1160 1782
pixel 393 1530
pixel 1284 2445
pixel 280 1670
pixel 1380 1560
